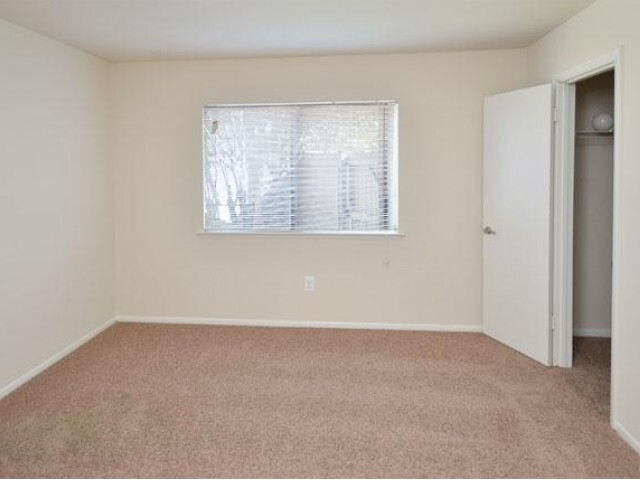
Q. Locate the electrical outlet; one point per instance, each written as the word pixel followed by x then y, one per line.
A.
pixel 309 284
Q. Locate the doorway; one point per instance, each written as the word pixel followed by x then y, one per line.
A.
pixel 586 217
pixel 593 206
pixel 592 228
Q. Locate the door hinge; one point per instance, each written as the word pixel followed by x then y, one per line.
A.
pixel 553 323
pixel 555 115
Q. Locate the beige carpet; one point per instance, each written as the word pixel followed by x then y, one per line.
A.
pixel 197 401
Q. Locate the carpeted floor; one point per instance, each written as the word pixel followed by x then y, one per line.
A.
pixel 199 401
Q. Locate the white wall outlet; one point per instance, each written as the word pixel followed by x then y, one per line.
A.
pixel 309 284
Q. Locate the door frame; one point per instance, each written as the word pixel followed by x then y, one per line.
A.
pixel 565 91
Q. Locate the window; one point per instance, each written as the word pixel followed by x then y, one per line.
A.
pixel 301 168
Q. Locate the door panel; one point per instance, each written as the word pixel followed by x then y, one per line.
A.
pixel 517 220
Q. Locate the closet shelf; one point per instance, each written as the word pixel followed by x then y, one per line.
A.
pixel 593 132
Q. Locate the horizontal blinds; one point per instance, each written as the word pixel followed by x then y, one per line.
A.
pixel 301 167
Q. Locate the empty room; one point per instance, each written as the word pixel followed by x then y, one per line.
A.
pixel 319 239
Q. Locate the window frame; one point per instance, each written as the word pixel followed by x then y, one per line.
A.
pixel 394 168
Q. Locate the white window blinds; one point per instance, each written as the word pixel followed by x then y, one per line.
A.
pixel 316 168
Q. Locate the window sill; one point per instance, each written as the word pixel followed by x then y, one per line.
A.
pixel 205 233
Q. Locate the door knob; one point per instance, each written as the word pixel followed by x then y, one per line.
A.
pixel 488 230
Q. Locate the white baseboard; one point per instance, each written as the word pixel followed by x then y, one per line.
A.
pixel 627 437
pixel 592 332
pixel 299 324
pixel 18 382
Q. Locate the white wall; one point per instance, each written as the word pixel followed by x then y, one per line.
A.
pixel 593 210
pixel 434 276
pixel 599 29
pixel 57 245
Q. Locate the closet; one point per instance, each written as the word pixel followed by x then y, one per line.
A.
pixel 593 206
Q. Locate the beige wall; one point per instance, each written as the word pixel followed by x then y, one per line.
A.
pixel 601 28
pixel 433 277
pixel 57 245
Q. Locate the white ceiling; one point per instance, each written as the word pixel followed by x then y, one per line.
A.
pixel 122 30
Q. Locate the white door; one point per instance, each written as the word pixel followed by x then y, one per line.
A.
pixel 517 220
